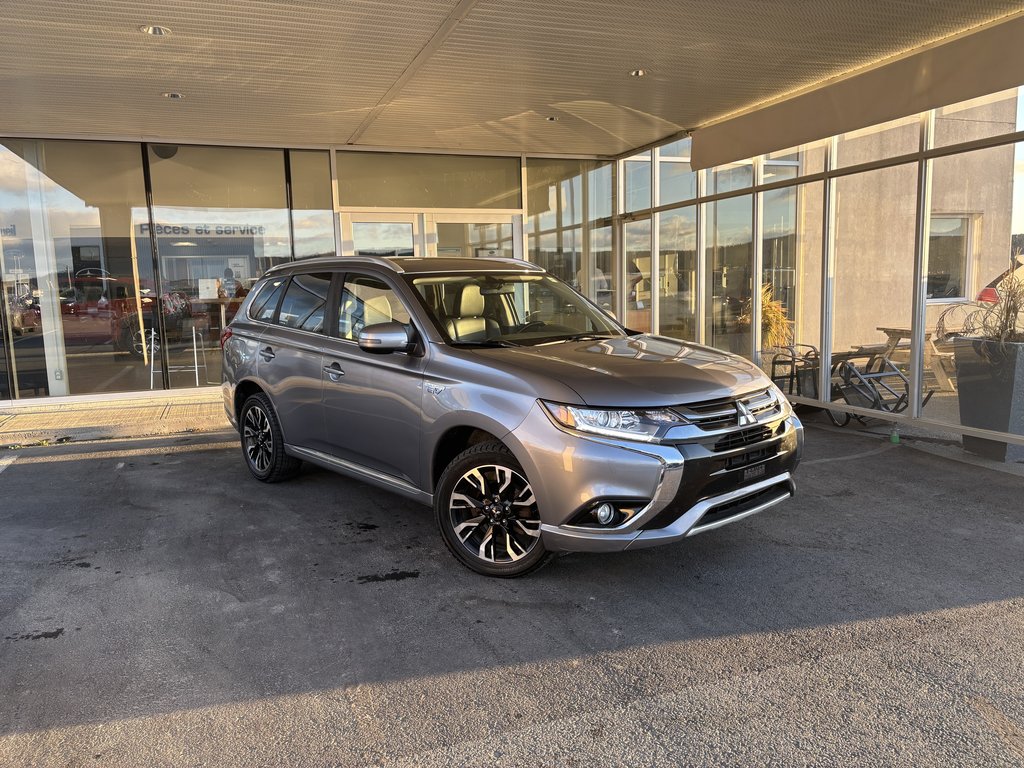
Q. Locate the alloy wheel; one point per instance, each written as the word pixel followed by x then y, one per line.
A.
pixel 259 439
pixel 494 514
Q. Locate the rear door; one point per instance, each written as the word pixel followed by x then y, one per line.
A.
pixel 289 356
pixel 372 401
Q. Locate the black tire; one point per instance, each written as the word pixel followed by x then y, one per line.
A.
pixel 493 527
pixel 263 443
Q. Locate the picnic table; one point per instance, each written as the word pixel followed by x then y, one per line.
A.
pixel 932 357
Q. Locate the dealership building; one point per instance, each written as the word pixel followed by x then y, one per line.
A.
pixel 848 175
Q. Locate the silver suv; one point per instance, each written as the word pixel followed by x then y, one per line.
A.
pixel 528 418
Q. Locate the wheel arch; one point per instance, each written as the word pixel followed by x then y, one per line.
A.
pixel 454 441
pixel 243 391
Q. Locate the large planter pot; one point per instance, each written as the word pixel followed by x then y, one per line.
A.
pixel 990 379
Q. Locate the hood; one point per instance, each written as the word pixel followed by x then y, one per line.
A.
pixel 637 371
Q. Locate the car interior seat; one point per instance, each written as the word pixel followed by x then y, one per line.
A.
pixel 470 324
pixel 377 310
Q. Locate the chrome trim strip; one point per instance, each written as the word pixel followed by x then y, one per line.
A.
pixel 358 471
pixel 753 511
pixel 594 540
pixel 681 527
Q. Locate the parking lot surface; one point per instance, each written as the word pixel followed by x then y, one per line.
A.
pixel 160 607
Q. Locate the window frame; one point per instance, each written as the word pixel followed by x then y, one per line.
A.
pixel 966 288
pixel 416 335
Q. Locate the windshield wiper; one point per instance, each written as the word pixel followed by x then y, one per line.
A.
pixel 485 343
pixel 577 337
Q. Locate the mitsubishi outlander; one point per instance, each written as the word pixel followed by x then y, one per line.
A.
pixel 530 420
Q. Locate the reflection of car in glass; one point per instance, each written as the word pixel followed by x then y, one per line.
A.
pixel 100 309
pixel 990 293
pixel 527 417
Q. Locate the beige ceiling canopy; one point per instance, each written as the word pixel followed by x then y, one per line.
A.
pixel 985 61
pixel 455 75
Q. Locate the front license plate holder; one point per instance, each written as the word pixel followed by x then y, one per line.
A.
pixel 752 473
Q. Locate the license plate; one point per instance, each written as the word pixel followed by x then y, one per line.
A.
pixel 751 472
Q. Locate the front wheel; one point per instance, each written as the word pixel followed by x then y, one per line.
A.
pixel 263 442
pixel 487 513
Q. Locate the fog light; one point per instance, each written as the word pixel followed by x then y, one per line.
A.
pixel 605 513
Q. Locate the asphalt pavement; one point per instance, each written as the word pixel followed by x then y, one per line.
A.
pixel 160 607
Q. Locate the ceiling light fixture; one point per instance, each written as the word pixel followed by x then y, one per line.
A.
pixel 638 73
pixel 155 30
pixel 551 119
pixel 173 95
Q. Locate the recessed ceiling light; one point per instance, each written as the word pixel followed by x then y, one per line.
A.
pixel 155 30
pixel 638 73
pixel 173 95
pixel 551 119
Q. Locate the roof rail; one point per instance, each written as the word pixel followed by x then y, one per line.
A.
pixel 382 261
pixel 522 263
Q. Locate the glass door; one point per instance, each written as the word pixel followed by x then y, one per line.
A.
pixel 381 234
pixel 471 235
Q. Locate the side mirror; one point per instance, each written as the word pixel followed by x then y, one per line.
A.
pixel 383 338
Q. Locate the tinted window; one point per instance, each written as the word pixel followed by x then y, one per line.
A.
pixel 265 304
pixel 366 301
pixel 304 301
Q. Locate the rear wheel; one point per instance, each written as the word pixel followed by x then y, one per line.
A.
pixel 263 442
pixel 487 513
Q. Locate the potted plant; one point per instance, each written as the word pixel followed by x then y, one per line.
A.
pixel 988 348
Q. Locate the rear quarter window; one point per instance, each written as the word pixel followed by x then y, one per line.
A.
pixel 265 304
pixel 304 302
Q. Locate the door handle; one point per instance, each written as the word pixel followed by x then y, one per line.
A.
pixel 267 354
pixel 334 371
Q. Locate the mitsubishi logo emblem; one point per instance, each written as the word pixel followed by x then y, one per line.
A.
pixel 745 417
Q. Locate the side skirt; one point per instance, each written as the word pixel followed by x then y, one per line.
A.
pixel 358 472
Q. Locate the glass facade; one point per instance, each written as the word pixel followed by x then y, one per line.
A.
pixel 122 262
pixel 78 287
pixel 568 225
pixel 870 249
pixel 220 220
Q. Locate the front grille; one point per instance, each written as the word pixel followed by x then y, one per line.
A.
pixel 707 475
pixel 742 437
pixel 712 414
pixel 745 459
pixel 738 506
pixel 718 414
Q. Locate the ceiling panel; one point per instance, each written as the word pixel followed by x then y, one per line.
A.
pixel 309 73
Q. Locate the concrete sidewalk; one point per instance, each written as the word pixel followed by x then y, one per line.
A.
pixel 48 421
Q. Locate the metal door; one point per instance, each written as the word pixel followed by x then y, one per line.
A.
pixel 372 401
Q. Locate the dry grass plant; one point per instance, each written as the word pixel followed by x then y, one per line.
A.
pixel 1000 322
pixel 776 330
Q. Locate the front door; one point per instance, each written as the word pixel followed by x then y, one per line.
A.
pixel 372 401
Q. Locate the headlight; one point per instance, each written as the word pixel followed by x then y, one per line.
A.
pixel 784 405
pixel 640 425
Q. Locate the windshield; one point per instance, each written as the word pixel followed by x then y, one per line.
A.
pixel 479 309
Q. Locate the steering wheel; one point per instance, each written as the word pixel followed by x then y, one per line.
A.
pixel 530 325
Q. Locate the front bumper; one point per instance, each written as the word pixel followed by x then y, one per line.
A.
pixel 676 489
